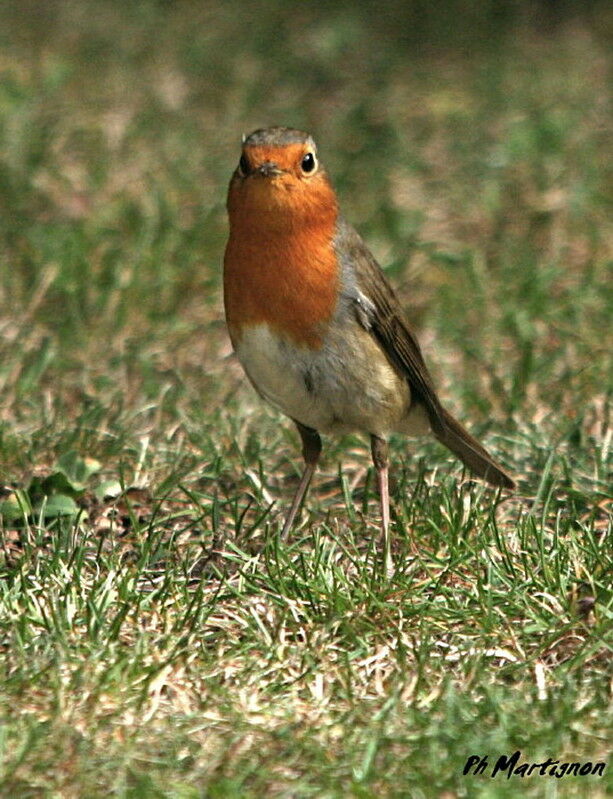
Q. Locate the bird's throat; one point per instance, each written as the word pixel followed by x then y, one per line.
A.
pixel 286 277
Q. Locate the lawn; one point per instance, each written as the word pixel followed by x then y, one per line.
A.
pixel 158 639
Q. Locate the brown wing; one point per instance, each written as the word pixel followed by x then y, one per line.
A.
pixel 379 311
pixel 382 314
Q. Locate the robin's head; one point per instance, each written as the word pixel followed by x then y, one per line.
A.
pixel 279 181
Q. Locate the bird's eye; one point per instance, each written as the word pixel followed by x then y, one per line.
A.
pixel 243 166
pixel 308 163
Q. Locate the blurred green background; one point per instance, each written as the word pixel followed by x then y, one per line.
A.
pixel 470 144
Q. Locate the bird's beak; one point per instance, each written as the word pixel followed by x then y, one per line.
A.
pixel 268 169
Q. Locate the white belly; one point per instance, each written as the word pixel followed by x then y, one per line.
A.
pixel 345 386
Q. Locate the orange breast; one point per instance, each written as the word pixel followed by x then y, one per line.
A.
pixel 285 275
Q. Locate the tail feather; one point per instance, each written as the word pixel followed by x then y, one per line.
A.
pixel 469 451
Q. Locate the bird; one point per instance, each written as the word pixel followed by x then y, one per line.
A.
pixel 315 323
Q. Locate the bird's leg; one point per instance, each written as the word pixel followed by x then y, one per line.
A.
pixel 311 450
pixel 380 458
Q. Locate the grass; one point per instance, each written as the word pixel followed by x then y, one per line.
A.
pixel 158 640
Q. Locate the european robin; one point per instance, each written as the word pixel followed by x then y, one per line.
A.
pixel 314 321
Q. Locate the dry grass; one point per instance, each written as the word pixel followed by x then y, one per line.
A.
pixel 162 642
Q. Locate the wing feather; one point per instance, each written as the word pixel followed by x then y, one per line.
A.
pixel 379 311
